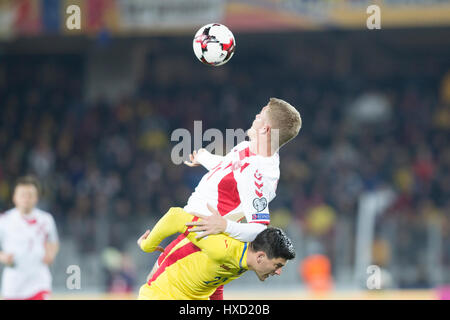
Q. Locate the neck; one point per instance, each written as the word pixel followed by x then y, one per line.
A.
pixel 261 147
pixel 25 212
pixel 249 261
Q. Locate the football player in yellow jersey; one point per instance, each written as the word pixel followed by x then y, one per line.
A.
pixel 195 266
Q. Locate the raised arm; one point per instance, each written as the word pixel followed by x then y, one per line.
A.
pixel 203 157
pixel 174 221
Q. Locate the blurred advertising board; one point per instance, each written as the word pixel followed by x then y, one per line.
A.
pixel 20 18
pixel 145 15
pixel 334 14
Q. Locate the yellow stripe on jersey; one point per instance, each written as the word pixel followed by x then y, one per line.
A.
pixel 194 269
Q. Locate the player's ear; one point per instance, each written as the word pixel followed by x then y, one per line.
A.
pixel 260 256
pixel 265 129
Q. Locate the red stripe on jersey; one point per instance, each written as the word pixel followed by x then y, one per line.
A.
pixel 171 245
pixel 163 255
pixel 259 185
pixel 228 194
pixel 245 153
pixel 178 254
pixel 244 166
pixel 259 194
pixel 212 171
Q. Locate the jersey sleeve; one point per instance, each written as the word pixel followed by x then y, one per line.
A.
pixel 245 232
pixel 52 235
pixel 209 160
pixel 256 191
pixel 173 222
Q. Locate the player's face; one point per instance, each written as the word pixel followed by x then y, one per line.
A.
pixel 269 267
pixel 25 197
pixel 259 123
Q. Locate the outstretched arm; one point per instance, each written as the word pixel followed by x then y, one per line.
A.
pixel 203 157
pixel 174 221
pixel 169 224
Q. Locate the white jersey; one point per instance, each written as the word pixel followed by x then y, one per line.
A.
pixel 240 184
pixel 25 238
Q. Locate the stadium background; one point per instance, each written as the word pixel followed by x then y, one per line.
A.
pixel 367 181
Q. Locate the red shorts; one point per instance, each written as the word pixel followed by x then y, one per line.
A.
pixel 41 295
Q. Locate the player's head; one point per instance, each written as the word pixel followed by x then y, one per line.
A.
pixel 269 253
pixel 26 193
pixel 277 116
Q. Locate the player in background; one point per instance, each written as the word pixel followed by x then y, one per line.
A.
pixel 242 183
pixel 29 244
pixel 217 259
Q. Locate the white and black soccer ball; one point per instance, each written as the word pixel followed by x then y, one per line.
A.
pixel 214 44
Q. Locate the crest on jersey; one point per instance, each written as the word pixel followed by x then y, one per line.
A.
pixel 259 204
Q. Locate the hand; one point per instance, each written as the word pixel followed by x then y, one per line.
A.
pixel 193 157
pixel 51 249
pixel 143 237
pixel 213 224
pixel 7 259
pixel 48 258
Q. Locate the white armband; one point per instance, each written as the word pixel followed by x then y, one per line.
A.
pixel 245 232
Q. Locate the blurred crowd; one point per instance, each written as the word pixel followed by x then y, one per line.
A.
pixel 371 119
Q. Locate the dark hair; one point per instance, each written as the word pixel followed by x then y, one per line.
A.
pixel 28 180
pixel 275 243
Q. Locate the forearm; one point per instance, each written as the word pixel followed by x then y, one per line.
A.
pixel 172 222
pixel 245 232
pixel 2 257
pixel 6 259
pixel 51 250
pixel 209 160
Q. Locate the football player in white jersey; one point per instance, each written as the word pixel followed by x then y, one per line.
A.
pixel 242 183
pixel 29 244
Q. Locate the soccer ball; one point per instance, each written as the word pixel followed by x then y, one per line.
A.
pixel 214 44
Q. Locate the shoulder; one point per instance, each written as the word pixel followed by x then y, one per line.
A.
pixel 223 244
pixel 265 168
pixel 7 213
pixel 241 146
pixel 6 216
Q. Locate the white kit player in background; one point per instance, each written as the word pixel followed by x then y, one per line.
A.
pixel 29 244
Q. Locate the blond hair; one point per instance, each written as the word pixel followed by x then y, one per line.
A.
pixel 285 118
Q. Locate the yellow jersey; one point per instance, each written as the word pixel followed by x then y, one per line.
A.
pixel 193 268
